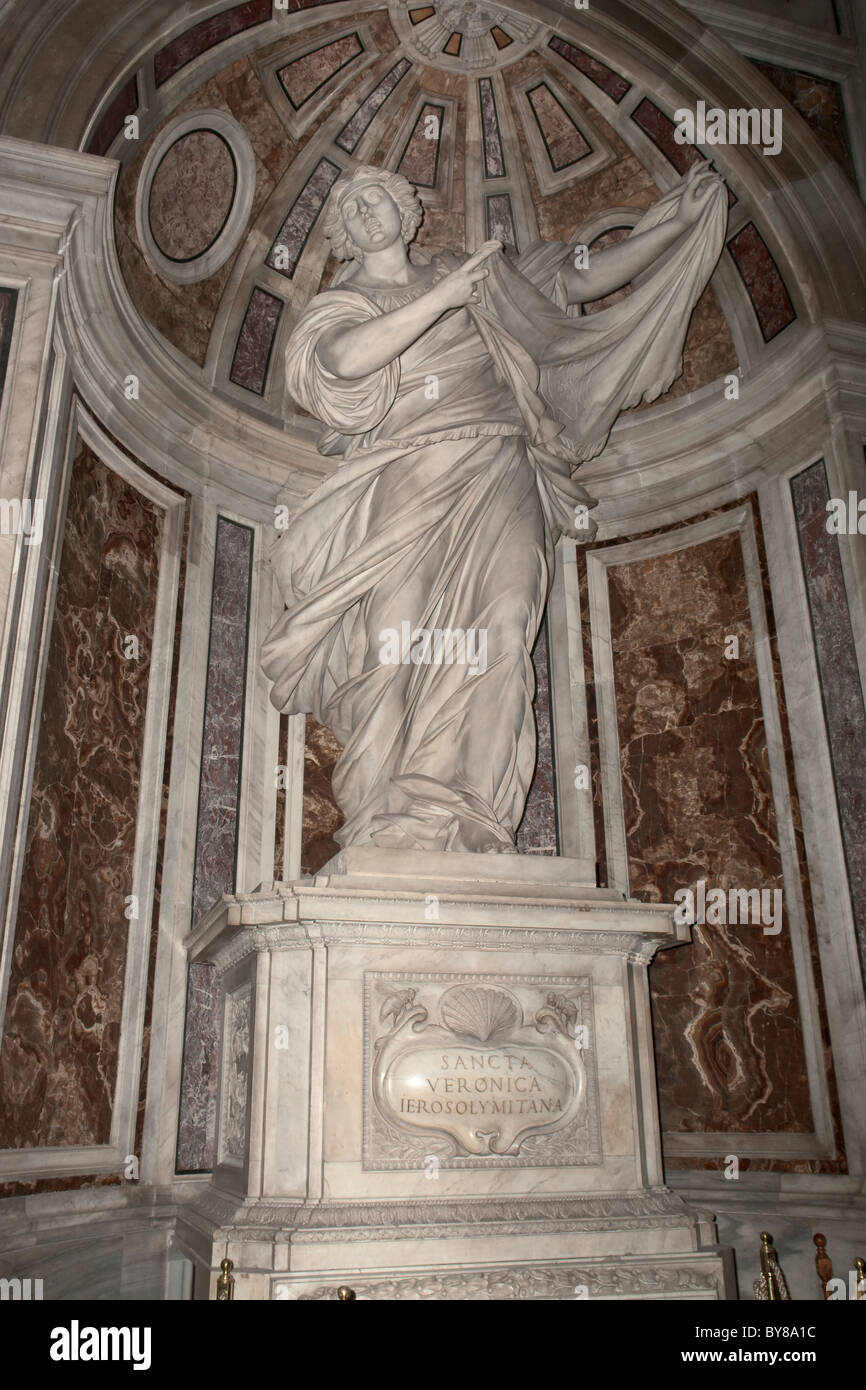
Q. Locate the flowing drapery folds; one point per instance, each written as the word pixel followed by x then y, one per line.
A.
pixel 456 481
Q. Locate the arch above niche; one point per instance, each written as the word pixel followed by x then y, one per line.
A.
pixel 225 157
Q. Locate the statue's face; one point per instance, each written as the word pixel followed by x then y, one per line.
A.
pixel 372 218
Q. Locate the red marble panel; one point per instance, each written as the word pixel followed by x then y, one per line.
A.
pixel 661 130
pixel 111 123
pixel 597 72
pixel 819 102
pixel 191 194
pixel 302 79
pixel 197 40
pixel 764 284
pixel 255 341
pixel 222 733
pixel 500 38
pixel 564 142
pixel 418 16
pixel 699 805
pixel 453 45
pixel 58 1062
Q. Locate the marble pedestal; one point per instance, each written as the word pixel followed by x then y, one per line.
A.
pixel 436 1081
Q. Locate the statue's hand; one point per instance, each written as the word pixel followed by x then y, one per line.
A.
pixel 458 288
pixel 696 187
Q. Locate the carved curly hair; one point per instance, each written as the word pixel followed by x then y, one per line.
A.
pixel 399 188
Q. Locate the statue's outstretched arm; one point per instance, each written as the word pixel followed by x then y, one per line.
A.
pixel 609 270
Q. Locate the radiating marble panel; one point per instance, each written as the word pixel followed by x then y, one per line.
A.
pixel 537 831
pixel 222 734
pixel 358 123
pixel 321 814
pixel 8 304
pixel 494 159
pixel 292 236
pixel 563 141
pixel 420 159
pixel 111 124
pixel 255 341
pixel 500 38
pixel 698 804
pixel 841 688
pixel 597 72
pixel 58 1063
pixel 661 130
pixel 764 283
pixel 198 39
pixel 302 78
pixel 819 101
pixel 191 194
pixel 500 219
pixel 424 12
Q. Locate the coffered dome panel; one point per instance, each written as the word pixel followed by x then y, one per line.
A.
pixel 519 131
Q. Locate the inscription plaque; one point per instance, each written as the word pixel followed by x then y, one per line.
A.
pixel 480 1070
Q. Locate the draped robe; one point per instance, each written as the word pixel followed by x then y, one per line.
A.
pixel 455 483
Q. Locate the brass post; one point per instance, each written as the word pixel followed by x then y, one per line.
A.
pixel 345 1294
pixel 860 1266
pixel 823 1263
pixel 225 1288
pixel 771 1282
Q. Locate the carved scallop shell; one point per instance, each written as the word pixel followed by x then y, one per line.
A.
pixel 480 1013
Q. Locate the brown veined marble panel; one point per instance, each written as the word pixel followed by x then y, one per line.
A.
pixel 303 77
pixel 192 194
pixel 419 162
pixel 819 102
pixel 698 805
pixel 564 142
pixel 322 816
pixel 537 832
pixel 58 1062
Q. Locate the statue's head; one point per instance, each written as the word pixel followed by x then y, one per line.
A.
pixel 368 210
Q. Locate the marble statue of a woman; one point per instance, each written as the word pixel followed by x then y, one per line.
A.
pixel 460 395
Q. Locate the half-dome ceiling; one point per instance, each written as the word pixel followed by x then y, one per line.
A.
pixel 506 127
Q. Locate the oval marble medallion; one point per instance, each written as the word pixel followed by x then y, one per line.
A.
pixel 192 194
